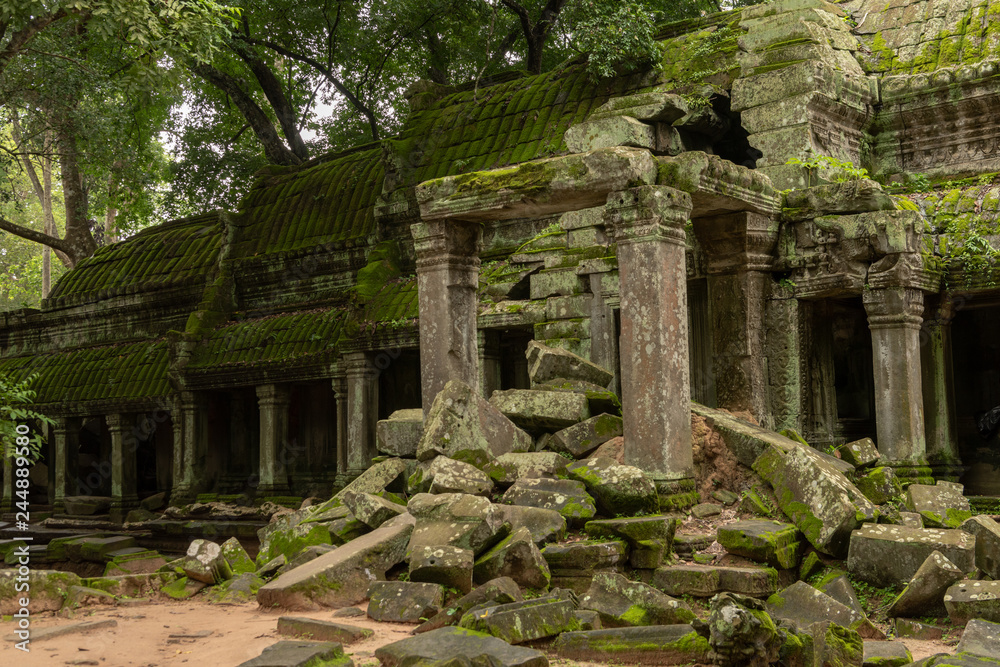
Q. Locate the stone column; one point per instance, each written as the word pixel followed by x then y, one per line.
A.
pixel 489 361
pixel 447 284
pixel 66 441
pixel 938 382
pixel 123 465
pixel 894 317
pixel 362 411
pixel 648 225
pixel 190 449
pixel 738 250
pixel 272 473
pixel 340 393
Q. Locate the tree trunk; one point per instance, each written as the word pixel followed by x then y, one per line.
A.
pixel 78 234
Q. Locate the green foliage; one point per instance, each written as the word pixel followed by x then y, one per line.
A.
pixel 618 35
pixel 840 170
pixel 978 258
pixel 15 399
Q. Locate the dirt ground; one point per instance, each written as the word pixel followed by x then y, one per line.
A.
pixel 143 637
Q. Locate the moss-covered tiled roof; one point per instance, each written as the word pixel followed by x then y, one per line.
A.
pixel 115 372
pixel 301 336
pixel 290 208
pixel 918 36
pixel 510 122
pixel 395 302
pixel 175 253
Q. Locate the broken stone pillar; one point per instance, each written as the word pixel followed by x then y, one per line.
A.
pixel 66 436
pixel 894 317
pixel 447 284
pixel 362 412
pixel 938 382
pixel 738 249
pixel 190 448
pixel 648 224
pixel 123 464
pixel 273 473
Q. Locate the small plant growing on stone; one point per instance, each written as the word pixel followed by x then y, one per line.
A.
pixel 842 171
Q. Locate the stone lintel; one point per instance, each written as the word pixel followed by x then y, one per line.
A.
pixel 648 224
pixel 717 186
pixel 743 241
pixel 537 188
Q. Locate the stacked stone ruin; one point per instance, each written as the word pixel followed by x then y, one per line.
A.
pixel 505 317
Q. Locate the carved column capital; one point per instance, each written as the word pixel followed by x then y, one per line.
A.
pixel 357 365
pixel 63 426
pixel 894 307
pixel 447 243
pixel 119 422
pixel 273 395
pixel 648 214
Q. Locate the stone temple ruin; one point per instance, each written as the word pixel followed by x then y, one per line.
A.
pixel 701 233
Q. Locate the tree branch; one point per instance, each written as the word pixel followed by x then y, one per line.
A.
pixel 21 37
pixel 38 237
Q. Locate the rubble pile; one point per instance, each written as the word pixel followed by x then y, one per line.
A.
pixel 499 530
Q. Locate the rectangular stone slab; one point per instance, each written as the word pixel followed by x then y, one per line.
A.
pixel 650 645
pixel 887 555
pixel 342 576
pixel 704 581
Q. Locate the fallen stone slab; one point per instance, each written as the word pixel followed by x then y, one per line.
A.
pixel 621 602
pixel 973 599
pixel 453 646
pixel 980 638
pixel 544 525
pixel 585 557
pixel 706 510
pixel 519 622
pixel 516 557
pixel 48 590
pixel 834 644
pixel 496 592
pixel 183 588
pixel 686 544
pixel 880 485
pixel 924 594
pixel 801 605
pixel 450 476
pixel 617 489
pixel 860 453
pixel 400 433
pixel 772 542
pixel 886 654
pixel 650 538
pixel 81 596
pixel 567 497
pixel 911 519
pixel 940 506
pixel 404 601
pixel 463 425
pixel 205 562
pixel 957 660
pixel 987 534
pixel 456 519
pixel 816 496
pixel 388 475
pixel 538 411
pixel 508 468
pixel 601 400
pixel 321 631
pixel 445 565
pixel 581 439
pixel 291 653
pixel 287 536
pixel 372 510
pixel 241 588
pixel 887 555
pixel 914 629
pixel 342 576
pixel 704 581
pixel 839 587
pixel 237 557
pixel 650 645
pixel 96 549
pixel 547 363
pixel 41 634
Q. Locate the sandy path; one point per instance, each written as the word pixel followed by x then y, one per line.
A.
pixel 238 633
